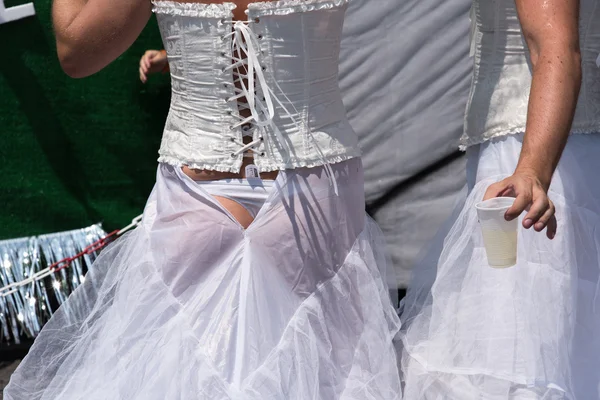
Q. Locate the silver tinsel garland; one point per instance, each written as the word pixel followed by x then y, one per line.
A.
pixel 29 294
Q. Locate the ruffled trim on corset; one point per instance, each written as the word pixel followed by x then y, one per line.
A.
pixel 466 142
pixel 292 164
pixel 284 7
pixel 178 162
pixel 196 10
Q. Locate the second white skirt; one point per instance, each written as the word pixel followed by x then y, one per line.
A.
pixel 190 306
pixel 531 331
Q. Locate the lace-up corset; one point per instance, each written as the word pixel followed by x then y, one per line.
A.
pixel 502 72
pixel 281 66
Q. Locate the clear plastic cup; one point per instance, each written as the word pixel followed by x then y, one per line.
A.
pixel 499 235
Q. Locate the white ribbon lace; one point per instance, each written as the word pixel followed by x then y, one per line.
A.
pixel 249 74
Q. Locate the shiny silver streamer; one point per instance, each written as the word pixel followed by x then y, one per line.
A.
pixel 24 311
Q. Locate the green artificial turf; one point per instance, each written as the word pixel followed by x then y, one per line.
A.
pixel 73 152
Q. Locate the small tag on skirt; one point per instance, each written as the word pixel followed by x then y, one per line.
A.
pixel 252 171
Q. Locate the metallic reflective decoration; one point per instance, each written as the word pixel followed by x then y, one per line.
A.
pixel 33 294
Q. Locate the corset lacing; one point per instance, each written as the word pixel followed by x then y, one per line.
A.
pixel 253 93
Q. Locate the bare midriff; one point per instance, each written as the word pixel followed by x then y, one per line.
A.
pixel 204 174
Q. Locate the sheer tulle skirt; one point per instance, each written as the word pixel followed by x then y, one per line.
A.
pixel 190 306
pixel 527 332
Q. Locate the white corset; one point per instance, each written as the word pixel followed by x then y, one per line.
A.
pixel 502 72
pixel 290 62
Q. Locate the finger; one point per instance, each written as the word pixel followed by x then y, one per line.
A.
pixel 147 63
pixel 539 207
pixel 490 192
pixel 542 222
pixel 552 227
pixel 504 188
pixel 143 77
pixel 509 191
pixel 522 201
pixel 494 190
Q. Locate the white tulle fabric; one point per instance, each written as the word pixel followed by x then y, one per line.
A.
pixel 190 306
pixel 499 97
pixel 527 332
